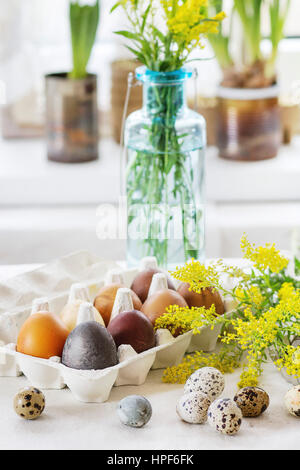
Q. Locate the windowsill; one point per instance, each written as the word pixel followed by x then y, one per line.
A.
pixel 27 178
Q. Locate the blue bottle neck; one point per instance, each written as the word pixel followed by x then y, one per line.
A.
pixel 164 93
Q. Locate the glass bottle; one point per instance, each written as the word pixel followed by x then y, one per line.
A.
pixel 164 175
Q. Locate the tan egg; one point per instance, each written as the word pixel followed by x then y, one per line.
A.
pixel 70 312
pixel 206 299
pixel 156 305
pixel 105 299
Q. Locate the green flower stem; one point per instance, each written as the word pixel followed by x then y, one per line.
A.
pixel 167 157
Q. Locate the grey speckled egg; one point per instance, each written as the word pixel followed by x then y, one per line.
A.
pixel 29 403
pixel 192 408
pixel 225 416
pixel 134 411
pixel 292 401
pixel 252 401
pixel 207 380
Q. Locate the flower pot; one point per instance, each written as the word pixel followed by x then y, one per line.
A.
pixel 248 123
pixel 165 145
pixel 290 118
pixel 207 107
pixel 71 118
pixel 120 70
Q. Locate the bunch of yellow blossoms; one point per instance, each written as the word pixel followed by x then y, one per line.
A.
pixel 265 322
pixel 167 48
pixel 266 257
pixel 188 22
pixel 179 320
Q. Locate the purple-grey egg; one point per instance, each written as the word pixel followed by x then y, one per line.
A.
pixel 89 347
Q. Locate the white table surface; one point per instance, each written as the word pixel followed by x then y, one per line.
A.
pixel 69 424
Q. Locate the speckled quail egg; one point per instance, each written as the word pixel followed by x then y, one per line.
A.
pixel 192 408
pixel 207 380
pixel 29 403
pixel 225 416
pixel 134 411
pixel 252 401
pixel 292 401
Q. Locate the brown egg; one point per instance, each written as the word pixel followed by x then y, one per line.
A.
pixel 142 282
pixel 104 301
pixel 205 299
pixel 70 312
pixel 132 328
pixel 156 305
pixel 42 335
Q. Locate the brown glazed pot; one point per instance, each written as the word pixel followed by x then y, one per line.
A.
pixel 248 123
pixel 72 130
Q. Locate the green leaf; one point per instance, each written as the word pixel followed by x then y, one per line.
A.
pixel 297 266
pixel 138 54
pixel 159 34
pixel 129 35
pixel 84 22
pixel 114 7
pixel 145 16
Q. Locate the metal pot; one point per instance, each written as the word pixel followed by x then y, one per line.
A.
pixel 72 129
pixel 248 123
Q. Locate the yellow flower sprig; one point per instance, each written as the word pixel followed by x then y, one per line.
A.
pixel 200 276
pixel 226 361
pixel 290 360
pixel 273 329
pixel 264 257
pixel 179 320
pixel 267 316
pixel 189 22
pixel 249 296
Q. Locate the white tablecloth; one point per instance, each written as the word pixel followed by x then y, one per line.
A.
pixel 68 424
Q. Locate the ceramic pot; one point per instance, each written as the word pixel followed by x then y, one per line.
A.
pixel 248 123
pixel 71 118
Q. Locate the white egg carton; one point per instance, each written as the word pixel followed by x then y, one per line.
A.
pixel 95 386
pixel 91 386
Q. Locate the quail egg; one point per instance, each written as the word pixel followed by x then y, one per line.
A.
pixel 207 380
pixel 29 403
pixel 225 416
pixel 192 408
pixel 292 401
pixel 252 401
pixel 134 411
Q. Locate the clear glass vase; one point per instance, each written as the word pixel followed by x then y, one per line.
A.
pixel 164 176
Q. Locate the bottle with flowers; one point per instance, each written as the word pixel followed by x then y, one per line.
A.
pixel 165 140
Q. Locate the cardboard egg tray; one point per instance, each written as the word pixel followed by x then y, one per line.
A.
pixel 95 386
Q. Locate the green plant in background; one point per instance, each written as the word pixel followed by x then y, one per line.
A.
pixel 220 41
pixel 297 266
pixel 278 15
pixel 84 20
pixel 165 173
pixel 259 70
